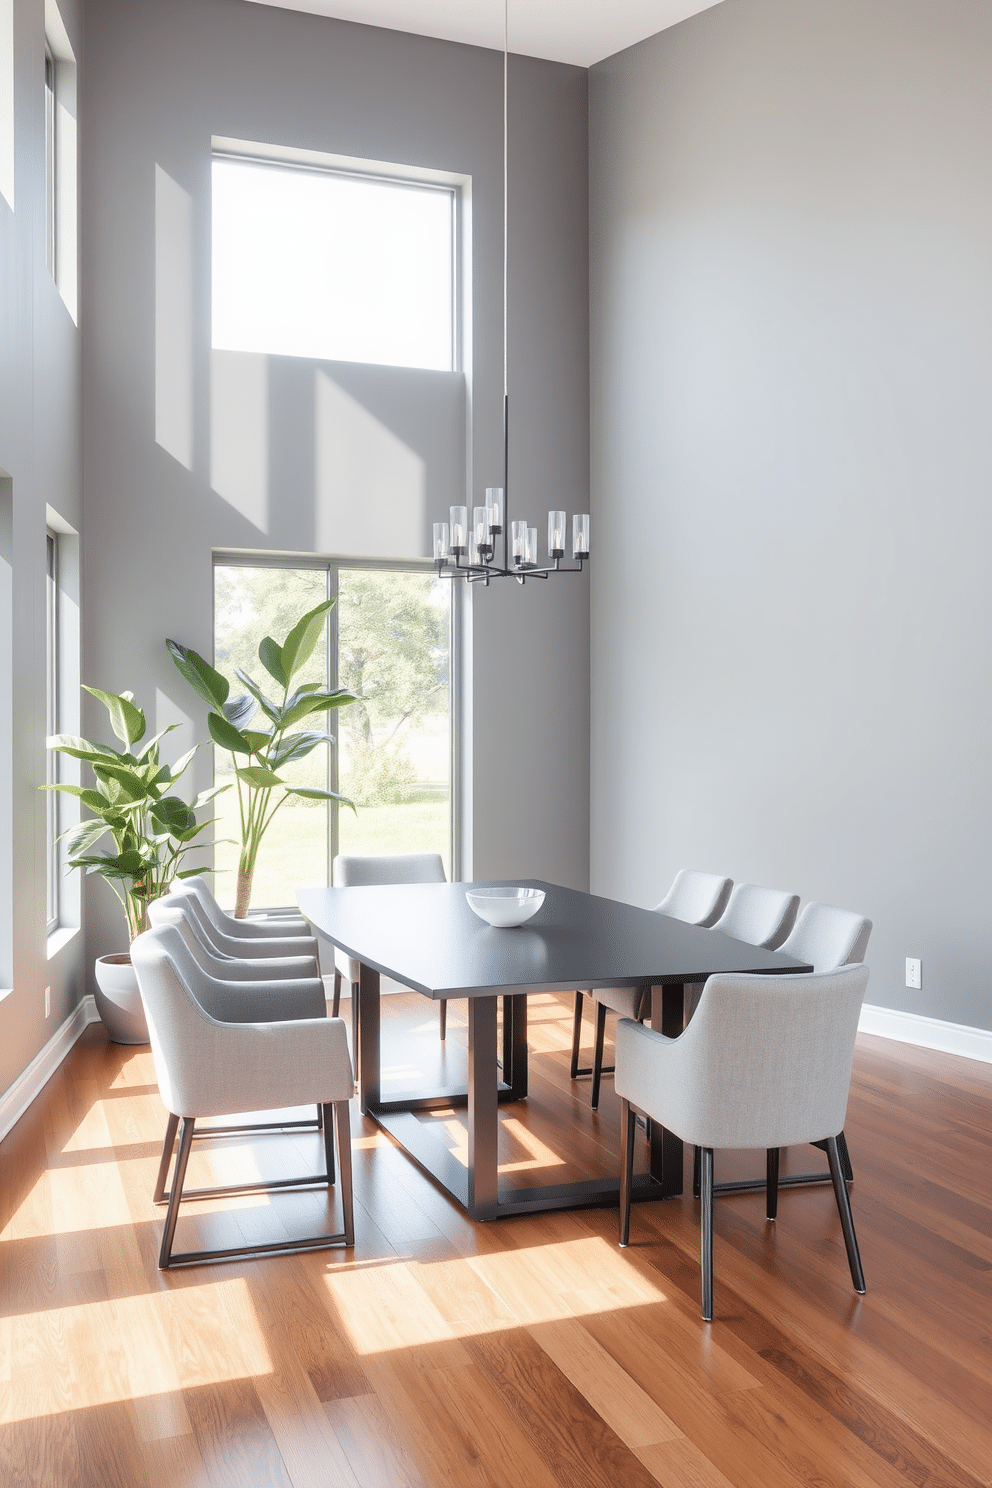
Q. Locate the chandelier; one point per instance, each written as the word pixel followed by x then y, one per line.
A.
pixel 468 550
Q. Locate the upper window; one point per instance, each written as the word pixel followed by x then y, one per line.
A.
pixel 335 266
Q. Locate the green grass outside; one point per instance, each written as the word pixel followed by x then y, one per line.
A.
pixel 294 849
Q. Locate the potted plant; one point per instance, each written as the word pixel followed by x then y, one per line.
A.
pixel 151 830
pixel 261 754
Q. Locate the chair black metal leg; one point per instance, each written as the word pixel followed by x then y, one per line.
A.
pixel 342 1126
pixel 597 1058
pixel 354 1026
pixel 771 1183
pixel 328 1132
pixel 706 1233
pixel 695 1171
pixel 172 1127
pixel 576 1036
pixel 179 1177
pixel 845 1158
pixel 442 1018
pixel 846 1217
pixel 628 1129
pixel 336 998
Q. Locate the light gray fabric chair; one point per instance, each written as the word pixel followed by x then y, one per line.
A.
pixel 695 898
pixel 175 909
pixel 765 1062
pixel 213 1058
pixel 759 916
pixel 237 947
pixel 254 926
pixel 354 871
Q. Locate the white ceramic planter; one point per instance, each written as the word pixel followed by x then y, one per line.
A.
pixel 118 1000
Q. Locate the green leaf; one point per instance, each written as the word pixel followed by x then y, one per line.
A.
pixel 82 749
pixel 200 675
pixel 132 786
pixel 270 709
pixel 258 741
pixel 259 777
pixel 183 762
pixel 84 793
pixel 270 655
pixel 83 836
pixel 316 702
pixel 313 794
pixel 296 747
pixel 173 814
pixel 208 795
pixel 299 645
pixel 127 721
pixel 226 735
pixel 240 710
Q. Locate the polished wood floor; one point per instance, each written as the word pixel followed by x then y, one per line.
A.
pixel 528 1352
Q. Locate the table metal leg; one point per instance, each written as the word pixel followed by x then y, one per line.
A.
pixel 368 1039
pixel 668 1015
pixel 483 1108
pixel 515 1047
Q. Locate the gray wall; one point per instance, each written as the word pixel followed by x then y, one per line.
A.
pixel 791 341
pixel 39 467
pixel 163 79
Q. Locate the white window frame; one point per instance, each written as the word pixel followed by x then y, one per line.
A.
pixel 62 690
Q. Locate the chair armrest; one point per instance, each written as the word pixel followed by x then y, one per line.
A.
pixel 265 945
pixel 261 926
pixel 261 1067
pixel 263 1002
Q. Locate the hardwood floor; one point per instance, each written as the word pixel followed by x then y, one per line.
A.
pixel 529 1352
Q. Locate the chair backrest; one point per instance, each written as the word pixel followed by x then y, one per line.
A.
pixel 765 1062
pixel 176 1021
pixel 185 911
pixel 697 898
pixel 352 871
pixel 761 917
pixel 828 937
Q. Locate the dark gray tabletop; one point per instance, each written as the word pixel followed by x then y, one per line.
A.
pixel 427 937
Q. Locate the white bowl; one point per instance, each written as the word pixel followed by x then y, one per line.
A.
pixel 505 907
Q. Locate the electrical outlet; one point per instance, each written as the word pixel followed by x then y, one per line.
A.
pixel 914 971
pixel 48 1002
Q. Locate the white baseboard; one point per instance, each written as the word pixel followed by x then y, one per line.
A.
pixel 929 1033
pixel 32 1081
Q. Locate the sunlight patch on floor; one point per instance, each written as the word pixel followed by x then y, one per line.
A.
pixel 70 1358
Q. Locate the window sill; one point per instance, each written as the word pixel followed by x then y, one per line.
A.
pixel 59 939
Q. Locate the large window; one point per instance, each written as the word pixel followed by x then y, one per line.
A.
pixel 333 265
pixel 389 640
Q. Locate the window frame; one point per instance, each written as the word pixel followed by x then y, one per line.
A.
pixel 51 162
pixel 331 566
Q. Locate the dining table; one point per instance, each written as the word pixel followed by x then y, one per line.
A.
pixel 426 938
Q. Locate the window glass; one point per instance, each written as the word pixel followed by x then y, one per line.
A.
pixel 50 162
pixel 52 727
pixel 318 263
pixel 389 639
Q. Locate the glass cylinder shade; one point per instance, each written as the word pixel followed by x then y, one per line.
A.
pixel 480 525
pixel 459 529
pixel 441 541
pixel 530 558
pixel 494 501
pixel 519 541
pixel 473 548
pixel 556 534
pixel 580 535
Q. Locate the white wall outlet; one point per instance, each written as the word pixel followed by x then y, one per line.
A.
pixel 914 971
pixel 48 1002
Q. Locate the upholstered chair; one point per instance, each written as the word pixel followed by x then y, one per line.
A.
pixel 218 1049
pixel 354 871
pixel 238 946
pixel 765 1062
pixel 695 898
pixel 253 926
